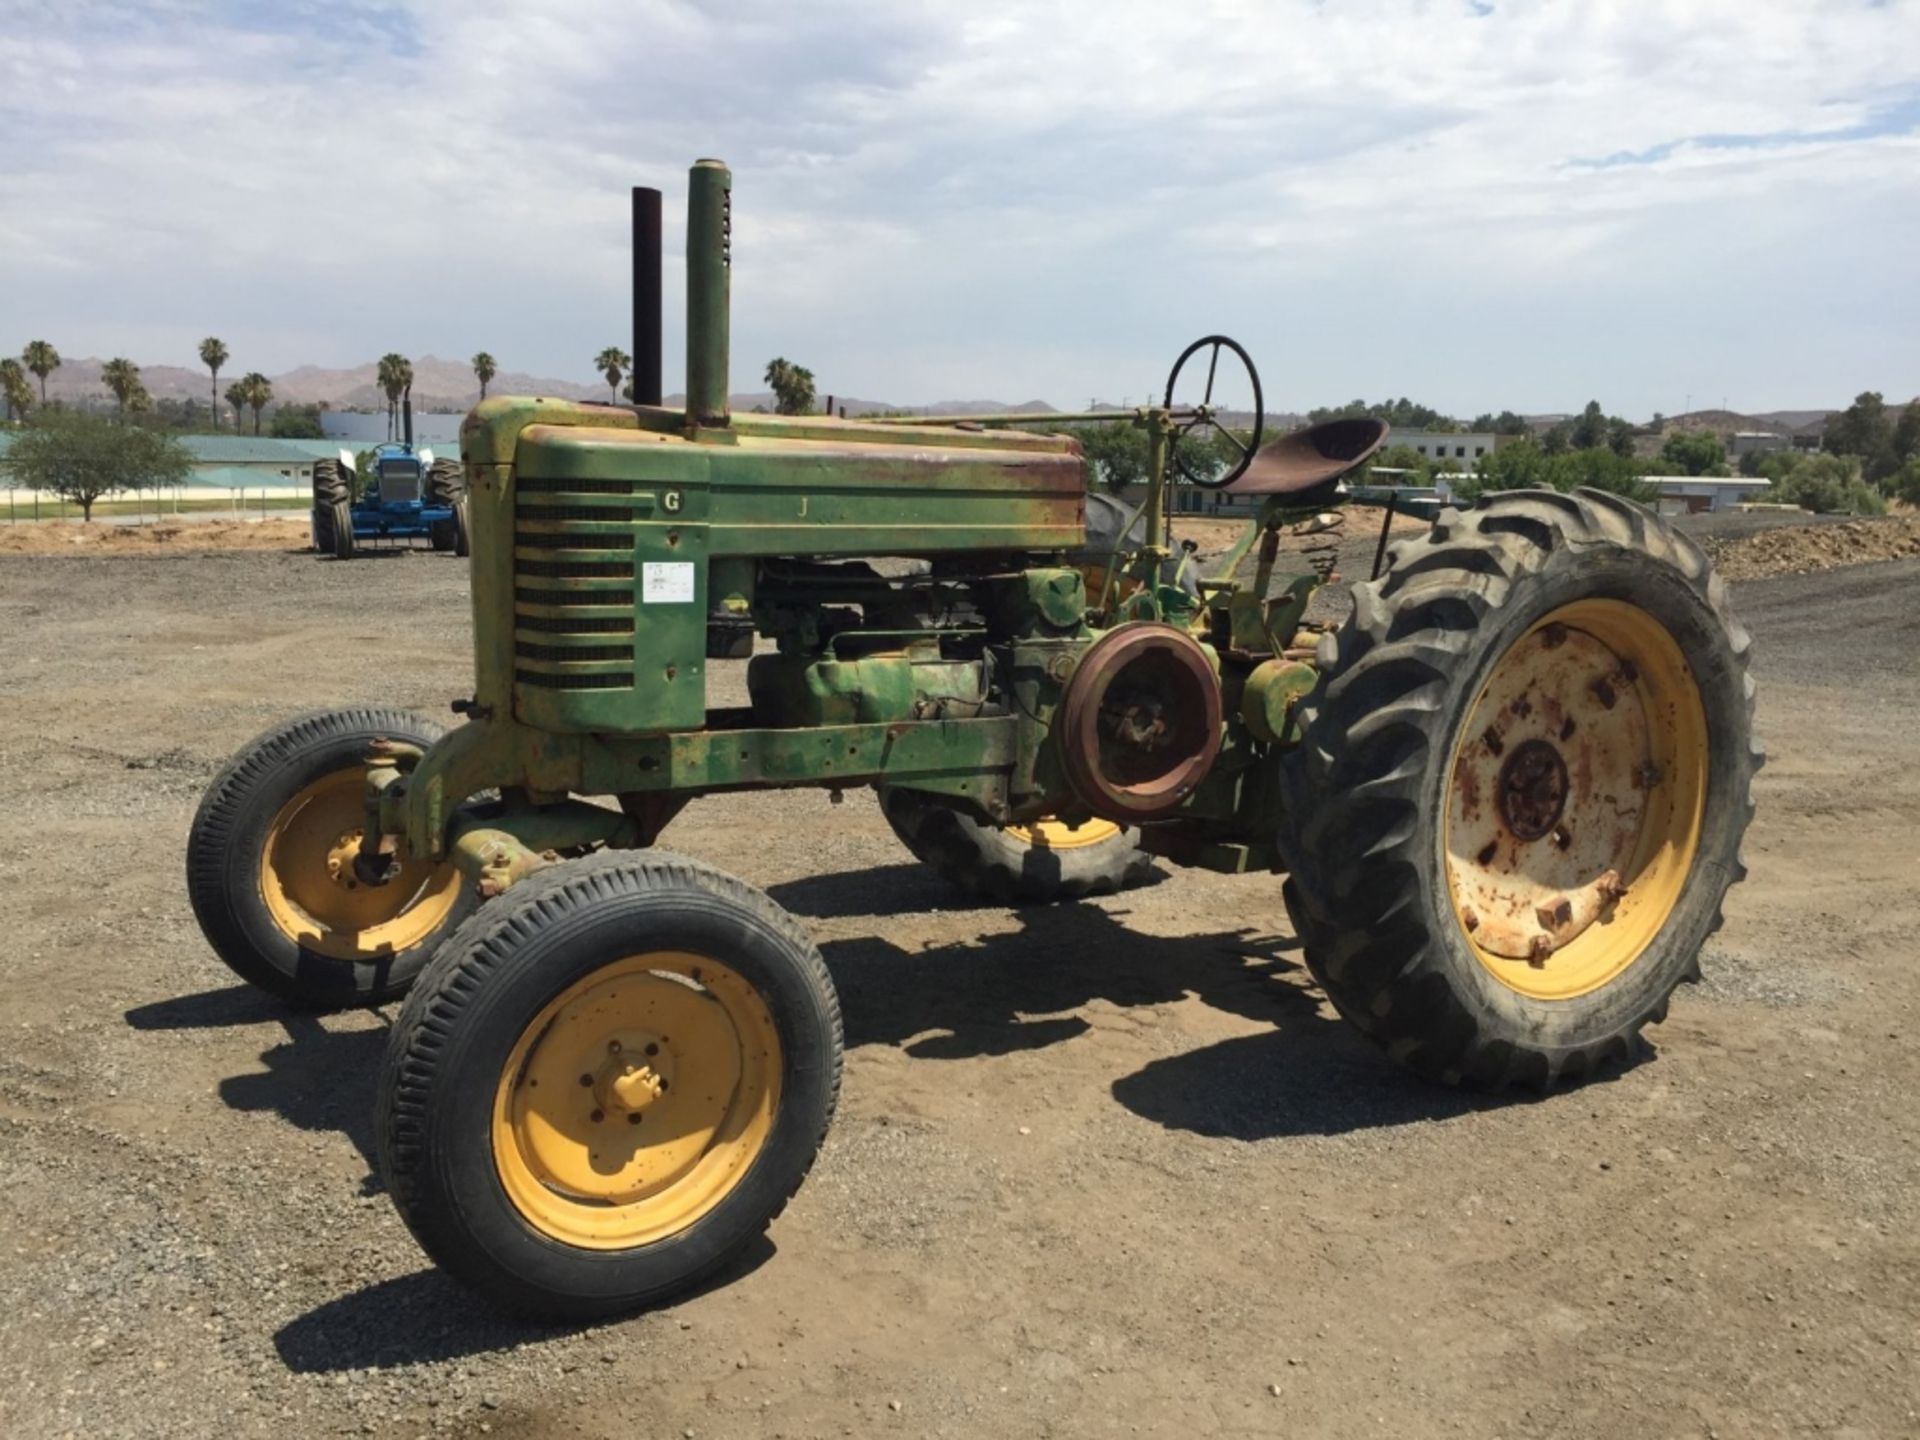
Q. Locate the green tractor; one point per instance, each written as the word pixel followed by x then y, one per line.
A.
pixel 1507 793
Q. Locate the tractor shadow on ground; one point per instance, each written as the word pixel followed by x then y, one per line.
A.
pixel 424 1317
pixel 909 888
pixel 1310 1073
pixel 320 1077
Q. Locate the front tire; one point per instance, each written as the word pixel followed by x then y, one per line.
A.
pixel 323 529
pixel 1040 863
pixel 1524 779
pixel 269 867
pixel 611 1080
pixel 342 530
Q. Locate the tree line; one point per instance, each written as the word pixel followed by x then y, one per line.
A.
pixel 1868 455
pixel 251 392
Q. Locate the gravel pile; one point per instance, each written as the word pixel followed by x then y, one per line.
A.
pixel 1803 549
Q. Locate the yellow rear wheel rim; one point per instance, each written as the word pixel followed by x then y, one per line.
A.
pixel 1051 834
pixel 1575 801
pixel 312 894
pixel 636 1101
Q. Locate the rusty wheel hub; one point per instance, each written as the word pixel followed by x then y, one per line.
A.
pixel 1533 789
pixel 1549 790
pixel 1139 724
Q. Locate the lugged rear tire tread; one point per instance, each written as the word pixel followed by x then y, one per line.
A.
pixel 1375 727
pixel 330 490
pixel 446 482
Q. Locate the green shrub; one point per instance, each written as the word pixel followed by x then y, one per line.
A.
pixel 1524 465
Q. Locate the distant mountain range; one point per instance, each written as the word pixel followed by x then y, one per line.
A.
pixel 448 385
pixel 440 385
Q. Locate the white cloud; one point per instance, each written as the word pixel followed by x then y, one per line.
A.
pixel 1005 200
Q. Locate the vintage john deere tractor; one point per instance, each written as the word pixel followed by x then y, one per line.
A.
pixel 1507 793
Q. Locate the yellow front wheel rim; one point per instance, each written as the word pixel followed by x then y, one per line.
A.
pixel 1051 834
pixel 636 1101
pixel 313 896
pixel 1575 800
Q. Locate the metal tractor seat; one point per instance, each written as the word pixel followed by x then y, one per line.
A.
pixel 1309 459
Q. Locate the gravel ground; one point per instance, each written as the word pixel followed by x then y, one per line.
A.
pixel 1107 1169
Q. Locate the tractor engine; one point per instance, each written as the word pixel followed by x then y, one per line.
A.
pixel 905 577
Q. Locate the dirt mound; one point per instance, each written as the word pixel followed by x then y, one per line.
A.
pixel 56 537
pixel 1802 549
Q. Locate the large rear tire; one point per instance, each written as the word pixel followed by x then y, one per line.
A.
pixel 330 491
pixel 1524 779
pixel 610 1081
pixel 1039 863
pixel 446 482
pixel 270 876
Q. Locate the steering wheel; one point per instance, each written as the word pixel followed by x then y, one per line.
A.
pixel 1203 416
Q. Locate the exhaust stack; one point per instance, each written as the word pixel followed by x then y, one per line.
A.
pixel 646 296
pixel 709 294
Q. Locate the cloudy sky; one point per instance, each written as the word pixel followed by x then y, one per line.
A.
pixel 1479 203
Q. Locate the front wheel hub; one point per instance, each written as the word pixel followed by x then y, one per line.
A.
pixel 636 1100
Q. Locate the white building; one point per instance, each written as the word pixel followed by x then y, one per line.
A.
pixel 1458 451
pixel 1681 494
pixel 1748 442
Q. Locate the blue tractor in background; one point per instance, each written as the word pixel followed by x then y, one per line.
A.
pixel 406 495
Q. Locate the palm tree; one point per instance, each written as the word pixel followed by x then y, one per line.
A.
pixel 612 362
pixel 259 394
pixel 14 388
pixel 122 377
pixel 213 354
pixel 484 370
pixel 394 376
pixel 42 359
pixel 236 395
pixel 792 386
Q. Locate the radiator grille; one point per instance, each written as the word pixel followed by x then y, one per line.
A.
pixel 585 640
pixel 576 624
pixel 576 569
pixel 528 595
pixel 540 680
pixel 569 539
pixel 560 654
